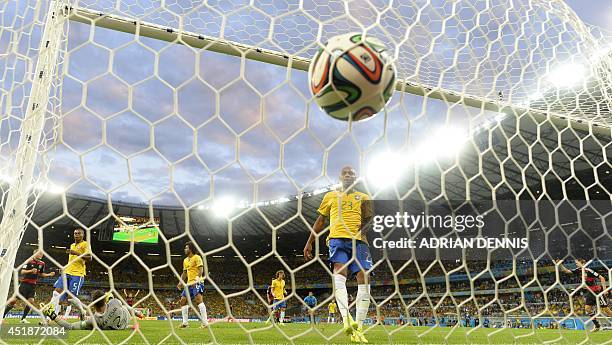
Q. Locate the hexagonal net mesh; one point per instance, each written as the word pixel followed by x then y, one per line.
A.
pixel 150 123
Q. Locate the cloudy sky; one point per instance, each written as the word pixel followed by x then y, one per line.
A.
pixel 149 120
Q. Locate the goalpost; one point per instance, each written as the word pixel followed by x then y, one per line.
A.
pixel 21 168
pixel 532 98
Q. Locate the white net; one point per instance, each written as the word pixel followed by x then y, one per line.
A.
pixel 124 117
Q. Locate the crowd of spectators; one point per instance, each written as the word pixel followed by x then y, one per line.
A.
pixel 418 291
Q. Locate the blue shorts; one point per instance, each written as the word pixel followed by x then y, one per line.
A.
pixel 279 304
pixel 194 290
pixel 341 251
pixel 73 283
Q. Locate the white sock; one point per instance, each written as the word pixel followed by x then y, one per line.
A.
pixel 79 305
pixel 68 309
pixel 55 300
pixel 328 319
pixel 185 313
pixel 341 295
pixel 203 313
pixel 363 303
pixel 282 316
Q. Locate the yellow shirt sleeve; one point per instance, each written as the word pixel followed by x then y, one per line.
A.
pixel 198 261
pixel 367 209
pixel 83 248
pixel 325 205
pixel 185 264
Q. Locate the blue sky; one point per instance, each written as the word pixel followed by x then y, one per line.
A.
pixel 594 12
pixel 185 126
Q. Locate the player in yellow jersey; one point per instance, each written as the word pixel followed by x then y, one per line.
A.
pixel 193 274
pixel 349 212
pixel 78 254
pixel 278 291
pixel 331 308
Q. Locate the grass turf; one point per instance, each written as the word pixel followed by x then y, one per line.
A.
pixel 154 332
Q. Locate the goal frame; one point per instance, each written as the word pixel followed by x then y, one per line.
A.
pixel 217 45
pixel 16 208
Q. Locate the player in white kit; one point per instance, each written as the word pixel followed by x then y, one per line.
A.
pixel 108 314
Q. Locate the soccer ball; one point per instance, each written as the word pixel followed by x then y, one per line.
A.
pixel 352 77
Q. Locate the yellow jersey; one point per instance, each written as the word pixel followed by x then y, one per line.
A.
pixel 76 265
pixel 345 212
pixel 278 288
pixel 332 307
pixel 192 266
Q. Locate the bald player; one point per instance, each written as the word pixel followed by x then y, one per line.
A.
pixel 348 211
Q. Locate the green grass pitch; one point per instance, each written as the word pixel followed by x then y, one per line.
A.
pixel 156 332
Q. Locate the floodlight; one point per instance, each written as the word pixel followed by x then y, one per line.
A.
pixel 567 75
pixel 54 189
pixel 223 206
pixel 385 169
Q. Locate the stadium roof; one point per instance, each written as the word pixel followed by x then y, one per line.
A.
pixel 554 165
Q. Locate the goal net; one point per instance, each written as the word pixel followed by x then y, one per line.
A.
pixel 150 123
